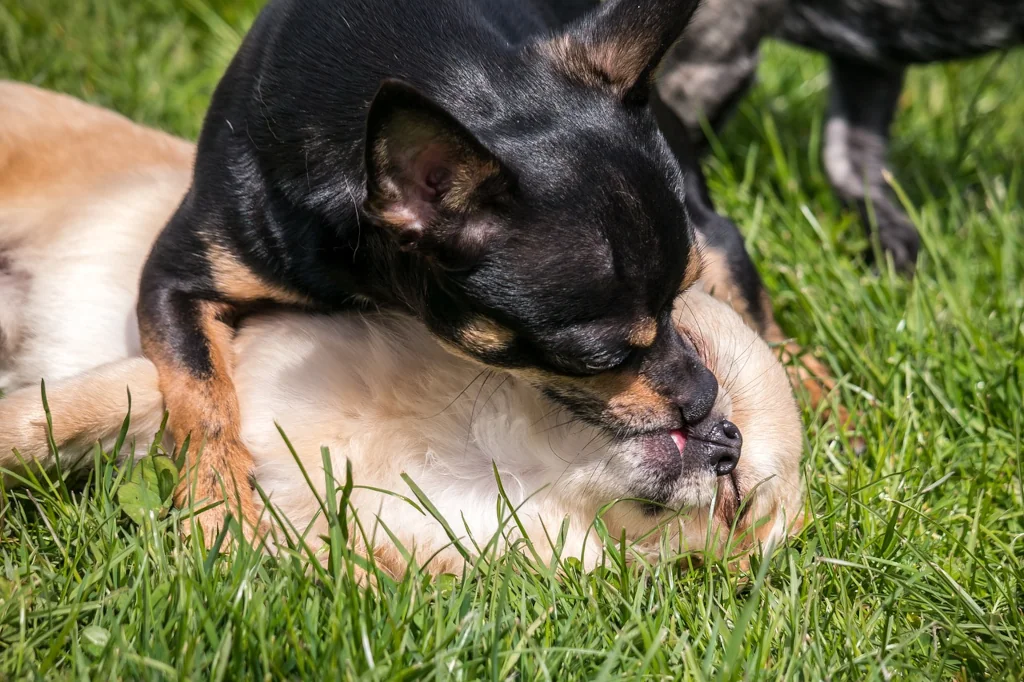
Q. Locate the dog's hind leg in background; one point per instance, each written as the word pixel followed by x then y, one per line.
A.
pixel 862 102
pixel 707 76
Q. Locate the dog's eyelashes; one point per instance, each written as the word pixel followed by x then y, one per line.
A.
pixel 601 366
pixel 583 366
pixel 615 361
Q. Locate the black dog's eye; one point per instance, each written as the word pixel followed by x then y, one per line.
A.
pixel 610 363
pixel 588 366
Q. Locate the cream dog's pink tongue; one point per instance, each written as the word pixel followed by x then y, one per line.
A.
pixel 679 438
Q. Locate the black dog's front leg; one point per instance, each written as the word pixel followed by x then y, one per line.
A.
pixel 863 101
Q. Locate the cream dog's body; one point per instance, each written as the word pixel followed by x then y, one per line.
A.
pixel 83 192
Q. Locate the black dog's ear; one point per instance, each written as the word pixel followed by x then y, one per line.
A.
pixel 620 45
pixel 425 170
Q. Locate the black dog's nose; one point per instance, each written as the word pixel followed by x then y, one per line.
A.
pixel 676 371
pixel 695 404
pixel 725 444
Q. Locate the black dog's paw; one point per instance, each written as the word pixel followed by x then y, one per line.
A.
pixel 902 242
pixel 897 237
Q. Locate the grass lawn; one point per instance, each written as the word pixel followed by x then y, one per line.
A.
pixel 911 567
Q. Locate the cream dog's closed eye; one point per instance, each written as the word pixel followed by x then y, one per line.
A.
pixel 374 388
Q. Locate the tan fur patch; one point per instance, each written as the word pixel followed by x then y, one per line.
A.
pixel 399 217
pixel 628 395
pixel 614 65
pixel 484 335
pixel 643 333
pixel 574 60
pixel 238 283
pixel 695 265
pixel 206 410
pixel 59 145
pixel 388 559
pixel 716 280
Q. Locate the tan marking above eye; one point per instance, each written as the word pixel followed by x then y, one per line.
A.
pixel 483 334
pixel 643 332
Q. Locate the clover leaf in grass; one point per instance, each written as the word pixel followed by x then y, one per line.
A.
pixel 147 493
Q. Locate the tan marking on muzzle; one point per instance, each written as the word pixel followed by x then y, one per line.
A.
pixel 627 397
pixel 630 396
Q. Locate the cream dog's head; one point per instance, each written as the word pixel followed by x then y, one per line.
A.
pixel 739 469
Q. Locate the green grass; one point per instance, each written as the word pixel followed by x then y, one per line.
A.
pixel 913 564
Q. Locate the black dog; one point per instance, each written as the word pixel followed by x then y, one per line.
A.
pixel 870 43
pixel 458 160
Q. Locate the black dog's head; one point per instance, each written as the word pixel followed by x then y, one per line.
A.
pixel 553 227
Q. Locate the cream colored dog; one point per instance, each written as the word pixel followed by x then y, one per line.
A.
pixel 83 193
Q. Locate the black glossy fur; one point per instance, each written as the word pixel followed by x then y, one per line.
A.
pixel 719 232
pixel 454 159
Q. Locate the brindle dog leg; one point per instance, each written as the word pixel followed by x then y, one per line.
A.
pixel 862 104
